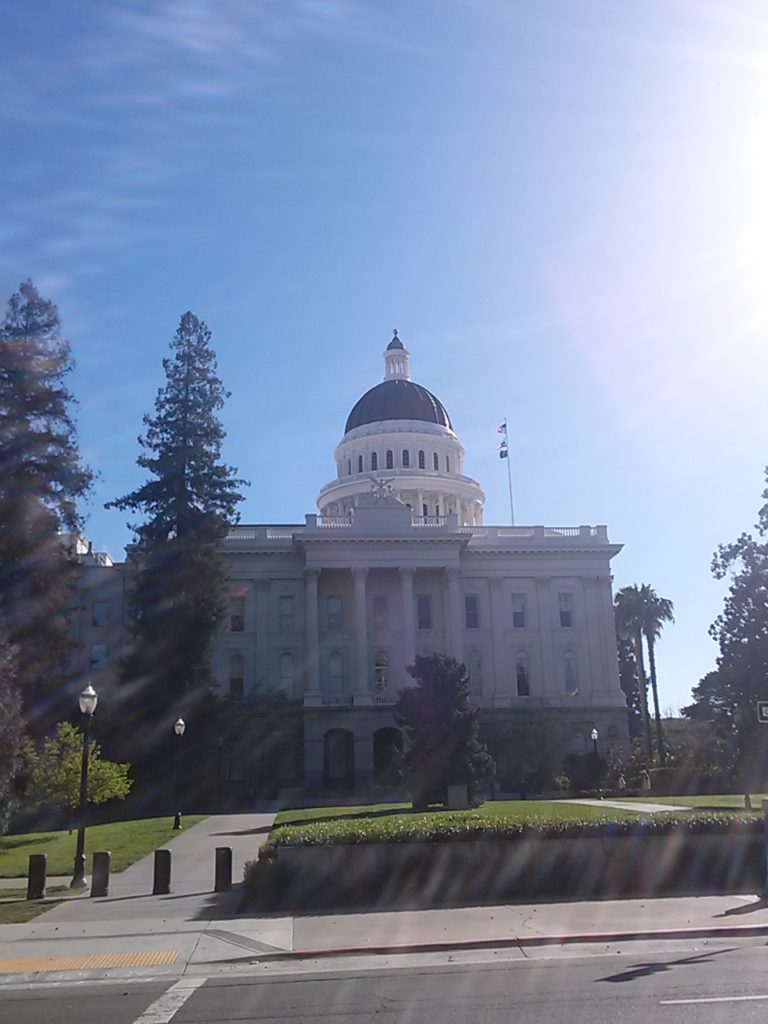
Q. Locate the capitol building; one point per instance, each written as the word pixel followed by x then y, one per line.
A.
pixel 398 561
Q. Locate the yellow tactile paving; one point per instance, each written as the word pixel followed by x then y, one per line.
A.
pixel 85 961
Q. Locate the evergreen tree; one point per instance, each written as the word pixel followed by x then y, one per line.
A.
pixel 41 479
pixel 187 504
pixel 441 728
pixel 13 743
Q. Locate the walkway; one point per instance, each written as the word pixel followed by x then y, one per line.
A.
pixel 626 805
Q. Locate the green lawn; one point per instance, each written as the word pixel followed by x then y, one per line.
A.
pixel 20 911
pixel 128 841
pixel 509 810
pixel 398 822
pixel 719 801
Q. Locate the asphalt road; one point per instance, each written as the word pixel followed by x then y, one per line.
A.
pixel 708 984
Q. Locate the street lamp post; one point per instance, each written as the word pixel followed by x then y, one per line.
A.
pixel 87 702
pixel 178 727
pixel 594 734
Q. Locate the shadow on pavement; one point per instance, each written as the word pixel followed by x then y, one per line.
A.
pixel 645 970
pixel 760 903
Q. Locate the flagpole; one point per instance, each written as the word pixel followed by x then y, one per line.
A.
pixel 509 479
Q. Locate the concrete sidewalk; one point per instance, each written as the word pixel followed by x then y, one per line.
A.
pixel 195 930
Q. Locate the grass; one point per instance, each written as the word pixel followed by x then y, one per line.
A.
pixel 715 801
pixel 17 892
pixel 128 842
pixel 399 823
pixel 22 910
pixel 509 810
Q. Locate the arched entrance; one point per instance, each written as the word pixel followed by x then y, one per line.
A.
pixel 339 759
pixel 387 744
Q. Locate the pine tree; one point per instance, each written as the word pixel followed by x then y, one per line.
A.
pixel 41 479
pixel 441 728
pixel 188 504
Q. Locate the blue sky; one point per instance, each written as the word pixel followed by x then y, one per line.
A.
pixel 561 205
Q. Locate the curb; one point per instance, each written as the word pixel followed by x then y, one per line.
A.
pixel 743 931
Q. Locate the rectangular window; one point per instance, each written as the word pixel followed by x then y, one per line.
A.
pixel 101 613
pixel 521 673
pixel 471 612
pixel 571 672
pixel 335 614
pixel 518 611
pixel 236 688
pixel 566 612
pixel 380 611
pixel 236 614
pixel 99 656
pixel 424 611
pixel 287 613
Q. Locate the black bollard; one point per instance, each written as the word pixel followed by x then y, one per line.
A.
pixel 223 880
pixel 100 873
pixel 38 868
pixel 162 881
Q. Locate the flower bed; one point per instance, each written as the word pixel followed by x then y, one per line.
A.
pixel 434 860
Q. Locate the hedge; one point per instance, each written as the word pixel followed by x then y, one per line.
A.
pixel 458 827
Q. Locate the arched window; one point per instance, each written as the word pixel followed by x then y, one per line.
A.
pixel 349 467
pixel 359 463
pixel 521 674
pixel 422 460
pixel 571 672
pixel 236 677
pixel 374 460
pixel 381 671
pixel 406 458
pixel 390 460
pixel 286 673
pixel 424 510
pixel 447 464
pixel 476 673
pixel 435 461
pixel 336 673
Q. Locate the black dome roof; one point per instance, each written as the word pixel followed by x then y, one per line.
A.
pixel 398 400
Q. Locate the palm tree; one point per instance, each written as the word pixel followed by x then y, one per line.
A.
pixel 630 618
pixel 656 611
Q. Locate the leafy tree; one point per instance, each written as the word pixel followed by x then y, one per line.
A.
pixel 728 697
pixel 187 505
pixel 441 729
pixel 629 683
pixel 55 771
pixel 41 479
pixel 656 611
pixel 628 610
pixel 13 743
pixel 640 615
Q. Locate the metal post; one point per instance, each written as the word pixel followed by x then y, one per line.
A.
pixel 223 876
pixel 38 866
pixel 179 730
pixel 78 874
pixel 162 873
pixel 100 873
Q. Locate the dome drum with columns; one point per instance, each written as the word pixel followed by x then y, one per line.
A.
pixel 399 430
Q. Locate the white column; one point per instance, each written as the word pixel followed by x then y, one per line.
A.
pixel 454 630
pixel 311 577
pixel 260 625
pixel 551 668
pixel 361 633
pixel 409 631
pixel 500 681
